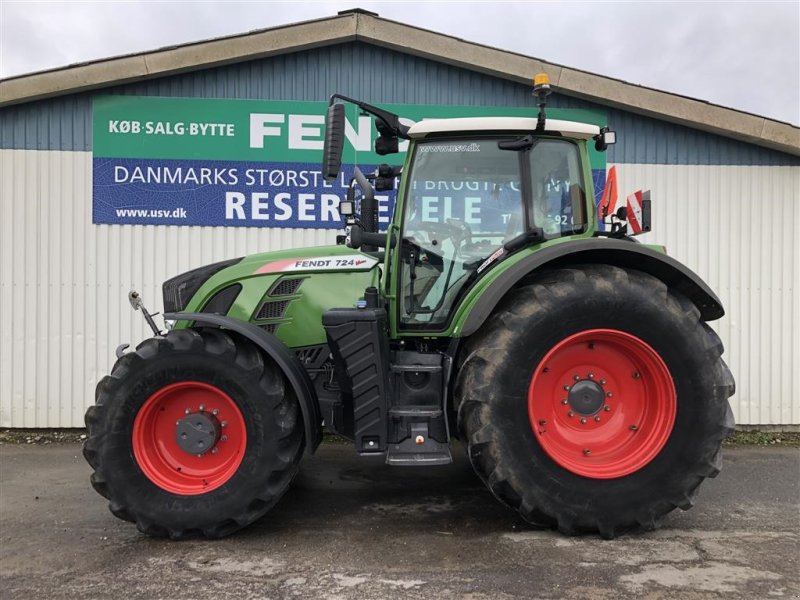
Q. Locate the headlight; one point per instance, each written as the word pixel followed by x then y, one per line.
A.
pixel 179 290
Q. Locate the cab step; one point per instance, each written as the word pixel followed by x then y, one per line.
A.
pixel 427 412
pixel 419 449
pixel 417 459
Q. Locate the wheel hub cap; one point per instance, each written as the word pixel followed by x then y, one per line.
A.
pixel 197 433
pixel 586 397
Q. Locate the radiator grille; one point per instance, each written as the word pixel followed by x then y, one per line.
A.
pixel 286 287
pixel 272 310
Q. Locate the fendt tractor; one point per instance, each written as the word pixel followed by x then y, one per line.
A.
pixel 499 307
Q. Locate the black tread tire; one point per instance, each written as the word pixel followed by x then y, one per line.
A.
pixel 273 422
pixel 495 369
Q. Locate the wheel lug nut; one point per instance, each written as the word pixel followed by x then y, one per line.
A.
pixel 563 401
pixel 609 394
pixel 188 411
pixel 223 424
pixel 566 388
pixel 570 414
pixel 177 422
pixel 576 377
pixel 542 422
pixel 199 456
pixel 607 408
pixel 597 418
pixel 224 438
pixel 202 407
pixel 591 375
pixel 636 375
pixel 546 370
pixel 214 450
pixel 602 382
pixel 583 421
pixel 215 412
pixel 586 451
pixel 634 427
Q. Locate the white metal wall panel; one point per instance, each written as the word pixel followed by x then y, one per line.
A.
pixel 736 227
pixel 64 281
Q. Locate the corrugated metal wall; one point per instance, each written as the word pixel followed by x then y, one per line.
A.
pixel 373 74
pixel 737 228
pixel 64 282
pixel 727 209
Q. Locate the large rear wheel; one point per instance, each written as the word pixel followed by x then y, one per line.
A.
pixel 594 399
pixel 193 433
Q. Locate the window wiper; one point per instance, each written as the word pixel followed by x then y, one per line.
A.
pixel 526 142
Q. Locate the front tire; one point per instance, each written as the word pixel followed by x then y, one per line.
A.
pixel 594 399
pixel 194 433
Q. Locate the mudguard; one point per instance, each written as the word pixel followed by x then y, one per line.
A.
pixel 286 361
pixel 620 253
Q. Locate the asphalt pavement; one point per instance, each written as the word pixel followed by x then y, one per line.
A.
pixel 352 527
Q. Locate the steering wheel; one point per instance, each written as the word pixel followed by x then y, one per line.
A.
pixel 460 232
pixel 437 232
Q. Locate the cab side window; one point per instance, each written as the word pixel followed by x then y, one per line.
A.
pixel 558 188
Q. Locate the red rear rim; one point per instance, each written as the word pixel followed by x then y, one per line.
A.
pixel 166 416
pixel 602 403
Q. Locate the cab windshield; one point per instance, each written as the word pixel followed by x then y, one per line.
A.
pixel 466 198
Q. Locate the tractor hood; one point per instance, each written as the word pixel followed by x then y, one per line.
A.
pixel 284 292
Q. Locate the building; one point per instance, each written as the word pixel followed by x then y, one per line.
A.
pixel 726 189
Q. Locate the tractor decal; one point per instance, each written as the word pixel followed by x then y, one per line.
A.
pixel 354 262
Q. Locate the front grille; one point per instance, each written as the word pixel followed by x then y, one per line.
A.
pixel 272 310
pixel 270 327
pixel 222 301
pixel 286 287
pixel 178 291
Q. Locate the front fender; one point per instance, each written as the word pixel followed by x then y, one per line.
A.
pixel 592 251
pixel 286 361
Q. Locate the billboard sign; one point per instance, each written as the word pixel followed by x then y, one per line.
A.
pixel 243 163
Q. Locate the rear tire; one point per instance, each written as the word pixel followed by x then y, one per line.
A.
pixel 654 443
pixel 149 476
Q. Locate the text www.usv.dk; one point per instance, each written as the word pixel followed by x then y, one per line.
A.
pixel 178 213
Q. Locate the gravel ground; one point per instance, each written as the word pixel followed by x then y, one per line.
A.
pixel 352 527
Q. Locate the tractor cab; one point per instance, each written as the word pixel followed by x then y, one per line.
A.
pixel 474 191
pixel 471 198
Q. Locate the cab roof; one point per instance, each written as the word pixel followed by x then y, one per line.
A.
pixel 571 129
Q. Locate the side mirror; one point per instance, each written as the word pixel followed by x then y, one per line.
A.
pixel 385 144
pixel 334 142
pixel 604 139
pixel 385 176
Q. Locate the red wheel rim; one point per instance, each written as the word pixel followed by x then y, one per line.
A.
pixel 602 403
pixel 162 459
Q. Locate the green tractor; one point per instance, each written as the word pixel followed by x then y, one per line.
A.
pixel 574 363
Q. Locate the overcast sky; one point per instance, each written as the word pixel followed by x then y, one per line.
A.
pixel 745 55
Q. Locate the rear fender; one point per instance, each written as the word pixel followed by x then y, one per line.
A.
pixel 286 361
pixel 620 253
